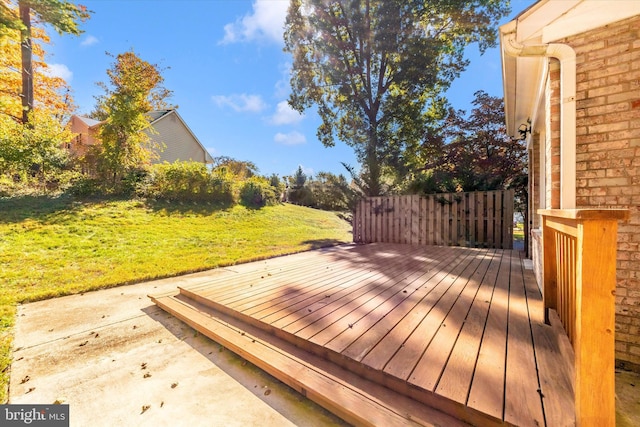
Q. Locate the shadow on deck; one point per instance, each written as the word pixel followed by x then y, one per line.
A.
pixel 387 334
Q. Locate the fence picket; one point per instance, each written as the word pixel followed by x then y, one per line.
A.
pixel 466 219
pixel 497 220
pixel 491 199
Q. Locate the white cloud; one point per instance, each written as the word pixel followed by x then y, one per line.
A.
pixel 59 70
pixel 89 41
pixel 241 102
pixel 291 138
pixel 266 21
pixel 285 114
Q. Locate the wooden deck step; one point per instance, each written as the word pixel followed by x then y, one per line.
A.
pixel 460 330
pixel 351 397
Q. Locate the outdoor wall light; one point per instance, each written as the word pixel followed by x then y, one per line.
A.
pixel 524 129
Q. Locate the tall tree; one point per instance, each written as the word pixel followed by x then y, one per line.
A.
pixel 373 67
pixel 239 169
pixel 136 89
pixel 474 151
pixel 299 178
pixel 62 15
pixel 52 93
pixel 331 192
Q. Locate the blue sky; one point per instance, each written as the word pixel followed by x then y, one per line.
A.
pixel 229 76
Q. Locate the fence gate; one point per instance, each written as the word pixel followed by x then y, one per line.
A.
pixel 478 219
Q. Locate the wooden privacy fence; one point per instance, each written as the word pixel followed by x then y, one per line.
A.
pixel 479 219
pixel 579 282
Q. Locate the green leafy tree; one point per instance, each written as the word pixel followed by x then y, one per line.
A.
pixel 239 169
pixel 136 89
pixel 257 191
pixel 298 179
pixel 33 151
pixel 298 192
pixel 331 192
pixel 474 152
pixel 62 15
pixel 373 67
pixel 278 185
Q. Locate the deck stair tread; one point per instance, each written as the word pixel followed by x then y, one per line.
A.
pixel 458 330
pixel 349 396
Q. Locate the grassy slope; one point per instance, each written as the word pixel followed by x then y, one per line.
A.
pixel 54 247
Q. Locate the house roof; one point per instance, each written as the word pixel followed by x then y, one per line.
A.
pixel 161 114
pixel 154 117
pixel 89 122
pixel 547 21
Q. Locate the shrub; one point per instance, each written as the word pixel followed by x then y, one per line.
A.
pixel 331 192
pixel 301 196
pixel 85 186
pixel 257 192
pixel 186 182
pixel 132 179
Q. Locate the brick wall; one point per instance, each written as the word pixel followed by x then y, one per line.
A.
pixel 534 179
pixel 553 136
pixel 608 155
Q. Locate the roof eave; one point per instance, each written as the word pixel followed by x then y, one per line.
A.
pixel 522 80
pixel 542 23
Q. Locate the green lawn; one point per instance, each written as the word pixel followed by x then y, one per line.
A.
pixel 518 232
pixel 53 247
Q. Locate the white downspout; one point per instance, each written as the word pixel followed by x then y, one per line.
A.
pixel 567 57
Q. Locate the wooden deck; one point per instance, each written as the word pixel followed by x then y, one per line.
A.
pixel 457 329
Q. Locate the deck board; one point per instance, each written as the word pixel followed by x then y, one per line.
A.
pixel 379 313
pixel 420 338
pixel 455 382
pixel 410 313
pixel 487 387
pixel 436 357
pixel 459 329
pixel 527 411
pixel 398 310
pixel 397 281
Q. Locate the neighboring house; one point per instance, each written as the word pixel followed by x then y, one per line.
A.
pixel 571 73
pixel 171 133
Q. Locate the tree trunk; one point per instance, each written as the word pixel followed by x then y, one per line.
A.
pixel 373 163
pixel 27 63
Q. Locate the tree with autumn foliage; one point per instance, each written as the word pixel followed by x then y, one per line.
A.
pixel 373 68
pixel 51 93
pixel 470 152
pixel 62 15
pixel 135 89
pixel 30 156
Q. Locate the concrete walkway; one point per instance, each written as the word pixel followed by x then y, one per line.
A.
pixel 117 359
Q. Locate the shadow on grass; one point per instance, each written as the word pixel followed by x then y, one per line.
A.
pixel 44 207
pixel 18 209
pixel 323 243
pixel 192 208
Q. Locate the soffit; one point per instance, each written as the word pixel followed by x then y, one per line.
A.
pixel 544 22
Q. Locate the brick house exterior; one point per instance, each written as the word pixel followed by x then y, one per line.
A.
pixel 584 140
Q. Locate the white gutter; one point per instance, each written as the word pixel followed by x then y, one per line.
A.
pixel 567 57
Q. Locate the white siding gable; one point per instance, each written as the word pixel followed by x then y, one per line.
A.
pixel 177 139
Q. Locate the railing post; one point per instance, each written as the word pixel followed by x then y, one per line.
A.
pixel 549 269
pixel 595 283
pixel 595 322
